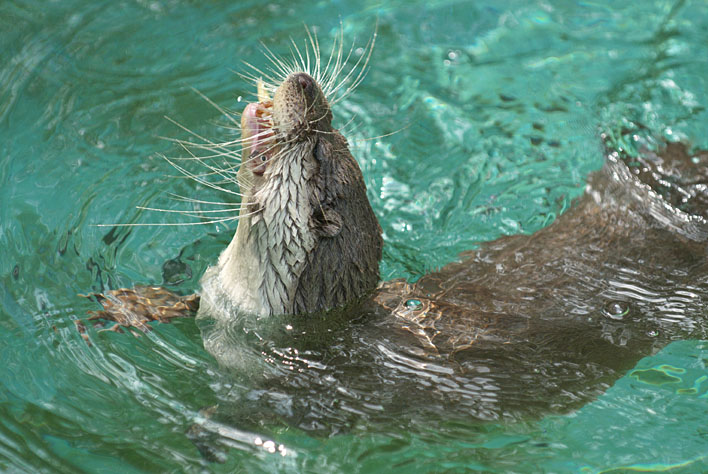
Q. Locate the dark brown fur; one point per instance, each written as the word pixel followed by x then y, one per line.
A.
pixel 345 263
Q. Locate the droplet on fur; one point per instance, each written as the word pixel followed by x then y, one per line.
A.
pixel 413 303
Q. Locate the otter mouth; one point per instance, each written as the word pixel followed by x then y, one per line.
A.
pixel 257 132
pixel 296 113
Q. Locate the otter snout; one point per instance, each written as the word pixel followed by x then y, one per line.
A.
pixel 300 107
pixel 306 81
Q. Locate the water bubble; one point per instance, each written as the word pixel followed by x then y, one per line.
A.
pixel 616 310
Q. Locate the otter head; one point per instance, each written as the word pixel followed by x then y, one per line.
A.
pixel 307 238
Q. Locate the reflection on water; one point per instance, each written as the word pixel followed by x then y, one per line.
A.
pixel 496 108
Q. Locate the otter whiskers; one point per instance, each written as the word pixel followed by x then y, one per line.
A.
pixel 220 162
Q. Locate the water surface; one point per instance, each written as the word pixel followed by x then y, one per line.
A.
pixel 497 109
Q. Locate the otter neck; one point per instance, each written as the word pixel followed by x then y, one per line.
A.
pixel 260 268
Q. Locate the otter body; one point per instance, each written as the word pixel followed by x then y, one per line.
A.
pixel 524 324
pixel 551 320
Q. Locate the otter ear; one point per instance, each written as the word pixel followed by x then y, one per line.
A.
pixel 328 222
pixel 322 149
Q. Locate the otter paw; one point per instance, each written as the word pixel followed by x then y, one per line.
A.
pixel 136 307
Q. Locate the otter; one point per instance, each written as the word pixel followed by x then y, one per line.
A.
pixel 546 315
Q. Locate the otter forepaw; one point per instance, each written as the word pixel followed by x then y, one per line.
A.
pixel 136 307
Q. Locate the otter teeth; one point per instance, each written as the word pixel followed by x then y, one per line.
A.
pixel 257 131
pixel 263 95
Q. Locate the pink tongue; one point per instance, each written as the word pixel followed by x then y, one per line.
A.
pixel 252 128
pixel 255 127
pixel 257 133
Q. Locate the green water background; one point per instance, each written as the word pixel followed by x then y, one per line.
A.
pixel 497 109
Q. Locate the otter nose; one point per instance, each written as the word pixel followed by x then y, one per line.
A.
pixel 304 80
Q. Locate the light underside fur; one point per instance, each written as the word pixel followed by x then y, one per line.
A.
pixel 260 268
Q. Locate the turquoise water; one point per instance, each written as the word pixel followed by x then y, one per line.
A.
pixel 497 109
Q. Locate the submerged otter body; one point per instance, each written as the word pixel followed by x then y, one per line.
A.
pixel 628 260
pixel 551 320
pixel 522 325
